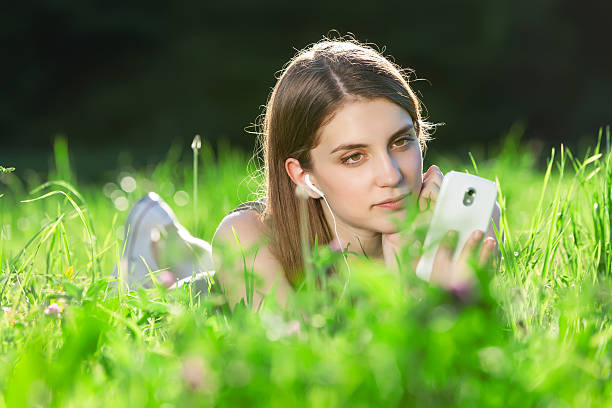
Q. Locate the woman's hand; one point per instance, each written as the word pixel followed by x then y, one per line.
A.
pixel 430 188
pixel 456 276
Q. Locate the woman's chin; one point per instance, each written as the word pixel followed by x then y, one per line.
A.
pixel 388 227
pixel 394 221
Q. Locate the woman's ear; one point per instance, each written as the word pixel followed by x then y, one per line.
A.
pixel 298 175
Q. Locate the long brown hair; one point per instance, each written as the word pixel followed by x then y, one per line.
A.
pixel 314 84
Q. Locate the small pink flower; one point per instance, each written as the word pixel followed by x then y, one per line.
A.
pixel 335 245
pixel 53 309
pixel 166 278
pixel 193 372
pixel 463 291
pixel 293 327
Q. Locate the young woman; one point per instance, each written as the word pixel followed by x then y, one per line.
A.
pixel 343 119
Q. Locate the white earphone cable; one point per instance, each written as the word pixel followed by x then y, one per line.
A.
pixel 344 256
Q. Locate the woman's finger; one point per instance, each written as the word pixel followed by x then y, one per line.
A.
pixel 428 196
pixel 442 266
pixel 463 272
pixel 486 252
pixel 432 181
pixel 469 249
pixel 434 176
pixel 435 172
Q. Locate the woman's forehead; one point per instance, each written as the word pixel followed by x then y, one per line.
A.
pixel 363 121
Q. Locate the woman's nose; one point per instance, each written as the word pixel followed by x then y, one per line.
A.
pixel 388 173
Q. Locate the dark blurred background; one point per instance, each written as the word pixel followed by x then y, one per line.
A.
pixel 137 76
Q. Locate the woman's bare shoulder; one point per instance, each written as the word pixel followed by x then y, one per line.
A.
pixel 246 224
pixel 242 240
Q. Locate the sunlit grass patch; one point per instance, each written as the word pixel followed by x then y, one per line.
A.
pixel 537 333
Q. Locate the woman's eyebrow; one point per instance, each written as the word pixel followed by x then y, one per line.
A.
pixel 350 146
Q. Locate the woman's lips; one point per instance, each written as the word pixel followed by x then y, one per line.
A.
pixel 392 204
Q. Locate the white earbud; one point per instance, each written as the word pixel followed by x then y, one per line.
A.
pixel 312 187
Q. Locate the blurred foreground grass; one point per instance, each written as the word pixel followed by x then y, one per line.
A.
pixel 537 335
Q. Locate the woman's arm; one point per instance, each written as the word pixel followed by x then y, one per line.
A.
pixel 239 244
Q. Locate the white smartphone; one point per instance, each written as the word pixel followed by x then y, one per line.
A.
pixel 465 204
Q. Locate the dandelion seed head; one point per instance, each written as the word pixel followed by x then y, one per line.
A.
pixel 23 223
pixel 181 198
pixel 128 184
pixel 318 321
pixel 197 143
pixel 121 203
pixel 108 189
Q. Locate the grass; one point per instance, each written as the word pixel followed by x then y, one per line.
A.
pixel 536 335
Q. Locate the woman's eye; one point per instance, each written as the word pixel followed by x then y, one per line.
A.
pixel 353 158
pixel 403 141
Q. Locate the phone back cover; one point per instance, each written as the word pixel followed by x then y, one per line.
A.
pixel 451 214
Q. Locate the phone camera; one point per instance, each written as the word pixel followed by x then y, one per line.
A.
pixel 468 197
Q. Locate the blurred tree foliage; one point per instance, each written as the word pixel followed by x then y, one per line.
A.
pixel 136 75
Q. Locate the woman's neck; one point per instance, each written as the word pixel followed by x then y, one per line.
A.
pixel 368 243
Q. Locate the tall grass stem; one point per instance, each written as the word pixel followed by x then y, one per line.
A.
pixel 196 145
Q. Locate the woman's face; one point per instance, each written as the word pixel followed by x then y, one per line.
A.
pixel 368 163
